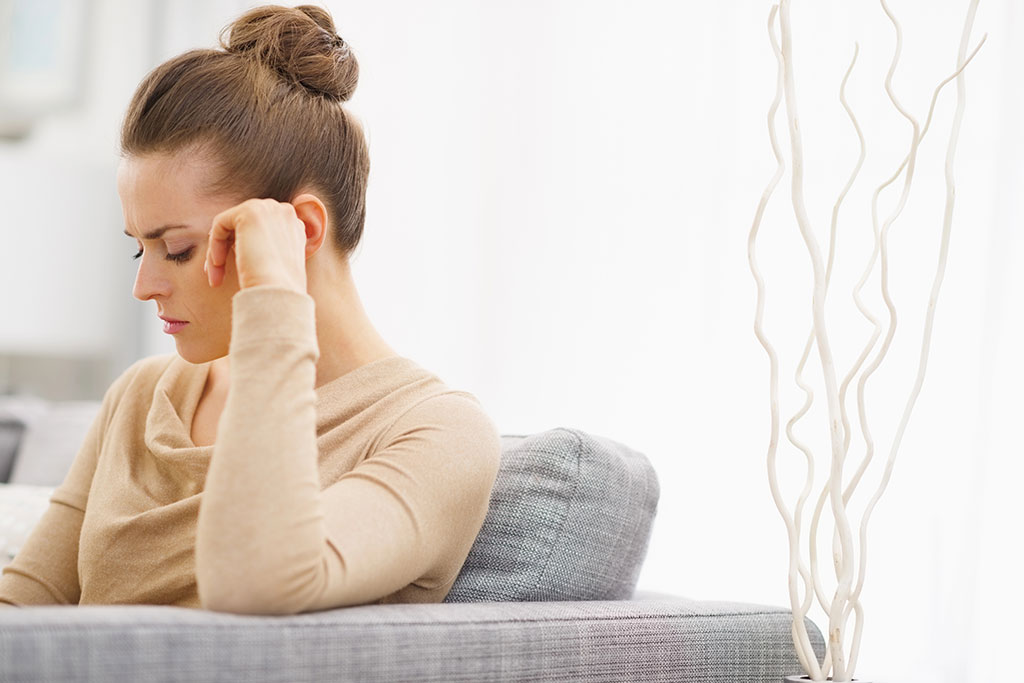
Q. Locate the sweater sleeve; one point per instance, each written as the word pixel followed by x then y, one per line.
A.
pixel 268 541
pixel 45 569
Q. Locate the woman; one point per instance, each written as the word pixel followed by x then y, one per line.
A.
pixel 285 459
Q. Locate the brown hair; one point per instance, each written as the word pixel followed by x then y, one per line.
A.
pixel 267 109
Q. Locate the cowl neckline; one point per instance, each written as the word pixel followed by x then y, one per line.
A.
pixel 178 390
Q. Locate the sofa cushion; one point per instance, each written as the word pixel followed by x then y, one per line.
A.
pixel 657 638
pixel 569 519
pixel 17 411
pixel 11 429
pixel 21 507
pixel 51 442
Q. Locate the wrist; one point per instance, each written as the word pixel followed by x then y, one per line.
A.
pixel 279 281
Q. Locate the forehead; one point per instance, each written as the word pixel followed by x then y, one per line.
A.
pixel 159 189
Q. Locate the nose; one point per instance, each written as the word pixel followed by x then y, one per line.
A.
pixel 149 281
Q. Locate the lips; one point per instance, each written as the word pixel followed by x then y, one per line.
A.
pixel 172 326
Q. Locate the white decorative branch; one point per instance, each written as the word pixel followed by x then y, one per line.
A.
pixel 805 652
pixel 846 596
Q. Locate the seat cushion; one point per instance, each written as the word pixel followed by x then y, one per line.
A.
pixel 569 519
pixel 657 638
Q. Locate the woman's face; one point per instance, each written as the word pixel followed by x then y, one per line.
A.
pixel 169 217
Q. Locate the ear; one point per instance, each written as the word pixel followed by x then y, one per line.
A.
pixel 313 214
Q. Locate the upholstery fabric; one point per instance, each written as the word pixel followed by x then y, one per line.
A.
pixel 17 411
pixel 11 429
pixel 569 519
pixel 653 638
pixel 21 507
pixel 51 441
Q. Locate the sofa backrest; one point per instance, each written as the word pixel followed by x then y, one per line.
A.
pixel 570 518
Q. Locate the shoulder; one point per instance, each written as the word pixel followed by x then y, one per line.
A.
pixel 125 390
pixel 454 427
pixel 457 411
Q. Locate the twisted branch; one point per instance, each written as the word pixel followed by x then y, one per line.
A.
pixel 846 597
pixel 804 649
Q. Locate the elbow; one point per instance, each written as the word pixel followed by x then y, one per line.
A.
pixel 235 601
pixel 254 593
pixel 217 595
pixel 248 608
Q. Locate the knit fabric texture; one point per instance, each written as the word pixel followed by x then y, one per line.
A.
pixel 569 519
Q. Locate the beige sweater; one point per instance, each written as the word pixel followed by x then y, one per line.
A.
pixel 369 488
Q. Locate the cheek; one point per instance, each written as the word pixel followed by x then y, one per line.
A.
pixel 192 283
pixel 211 304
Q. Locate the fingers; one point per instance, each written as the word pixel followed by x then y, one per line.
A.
pixel 220 241
pixel 270 251
pixel 220 238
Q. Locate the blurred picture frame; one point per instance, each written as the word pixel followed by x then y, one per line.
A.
pixel 43 58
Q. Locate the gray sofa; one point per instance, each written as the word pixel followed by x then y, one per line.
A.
pixel 547 592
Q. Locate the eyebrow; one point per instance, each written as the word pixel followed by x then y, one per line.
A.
pixel 156 234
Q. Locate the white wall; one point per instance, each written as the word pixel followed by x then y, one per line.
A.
pixel 559 204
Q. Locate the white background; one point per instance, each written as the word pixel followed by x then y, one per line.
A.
pixel 559 204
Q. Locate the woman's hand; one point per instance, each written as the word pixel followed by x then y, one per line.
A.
pixel 269 242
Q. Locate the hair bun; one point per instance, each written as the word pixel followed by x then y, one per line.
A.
pixel 299 43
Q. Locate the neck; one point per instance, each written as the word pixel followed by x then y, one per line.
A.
pixel 345 335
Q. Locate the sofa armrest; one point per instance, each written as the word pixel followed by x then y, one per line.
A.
pixel 654 637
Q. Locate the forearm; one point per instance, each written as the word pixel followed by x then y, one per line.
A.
pixel 260 533
pixel 44 572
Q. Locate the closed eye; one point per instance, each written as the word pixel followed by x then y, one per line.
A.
pixel 180 257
